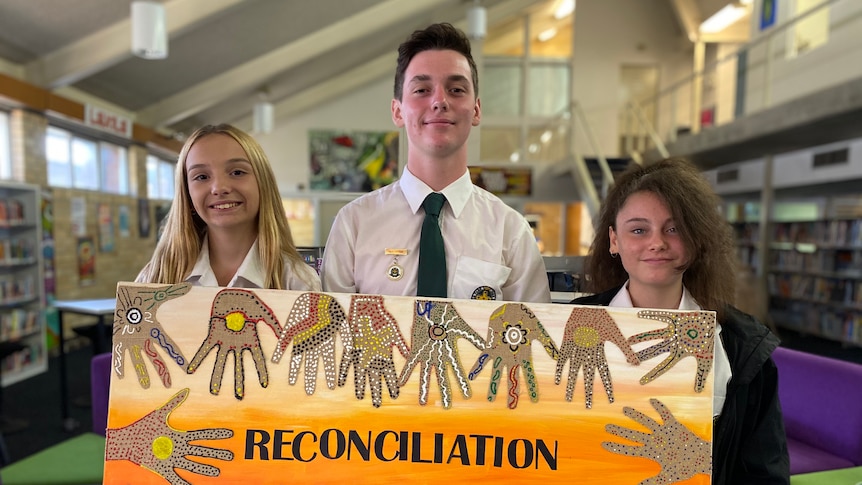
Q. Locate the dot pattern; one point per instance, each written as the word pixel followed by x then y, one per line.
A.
pixel 233 330
pixel 587 329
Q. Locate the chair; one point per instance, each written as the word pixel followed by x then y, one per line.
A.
pixel 820 399
pixel 77 460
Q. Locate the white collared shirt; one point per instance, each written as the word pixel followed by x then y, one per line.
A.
pixel 722 369
pixel 490 249
pixel 250 273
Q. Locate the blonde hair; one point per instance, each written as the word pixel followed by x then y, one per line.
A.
pixel 180 242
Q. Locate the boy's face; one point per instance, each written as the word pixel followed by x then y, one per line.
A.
pixel 438 106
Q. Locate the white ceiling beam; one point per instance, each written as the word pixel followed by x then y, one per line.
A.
pixel 366 73
pixel 113 44
pixel 255 72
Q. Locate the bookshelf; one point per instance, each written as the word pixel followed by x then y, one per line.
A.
pixel 22 320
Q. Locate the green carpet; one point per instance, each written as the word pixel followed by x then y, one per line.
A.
pixel 78 460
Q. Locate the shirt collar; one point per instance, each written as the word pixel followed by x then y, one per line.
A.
pixel 250 269
pixel 624 300
pixel 457 193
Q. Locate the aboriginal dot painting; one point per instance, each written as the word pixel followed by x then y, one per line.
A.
pixel 380 389
pixel 233 330
pixel 436 329
pixel 312 325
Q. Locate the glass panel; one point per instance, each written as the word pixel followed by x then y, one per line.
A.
pixel 85 165
pixel 115 174
pixel 505 39
pixel 5 151
pixel 152 177
pixel 501 90
pixel 549 144
pixel 166 179
pixel 812 31
pixel 549 89
pixel 57 153
pixel 500 145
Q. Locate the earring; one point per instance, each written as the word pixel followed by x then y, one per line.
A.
pixel 614 255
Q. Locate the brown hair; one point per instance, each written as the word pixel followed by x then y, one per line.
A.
pixel 442 36
pixel 708 238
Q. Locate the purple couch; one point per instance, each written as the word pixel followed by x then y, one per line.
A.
pixel 821 399
pixel 100 385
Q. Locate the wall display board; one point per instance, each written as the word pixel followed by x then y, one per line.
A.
pixel 336 388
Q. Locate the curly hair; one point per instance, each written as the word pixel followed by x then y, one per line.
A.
pixel 710 276
pixel 443 36
pixel 180 242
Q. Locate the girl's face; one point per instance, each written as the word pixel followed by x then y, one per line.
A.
pixel 222 185
pixel 649 246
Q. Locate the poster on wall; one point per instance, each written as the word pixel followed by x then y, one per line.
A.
pixel 86 261
pixel 252 386
pixel 503 180
pixel 78 216
pixel 767 14
pixel 352 161
pixel 123 220
pixel 144 221
pixel 106 228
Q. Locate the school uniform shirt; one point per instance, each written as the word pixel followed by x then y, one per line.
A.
pixel 251 274
pixel 491 253
pixel 721 364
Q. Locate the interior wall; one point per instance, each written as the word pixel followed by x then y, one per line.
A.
pixel 609 33
pixel 367 109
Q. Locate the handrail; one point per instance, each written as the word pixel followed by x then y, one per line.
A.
pixel 758 77
pixel 636 110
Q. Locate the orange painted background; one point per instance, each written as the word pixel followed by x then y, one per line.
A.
pixel 577 432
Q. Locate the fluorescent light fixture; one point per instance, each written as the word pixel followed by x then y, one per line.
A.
pixel 477 22
pixel 547 35
pixel 263 117
pixel 564 9
pixel 149 30
pixel 722 19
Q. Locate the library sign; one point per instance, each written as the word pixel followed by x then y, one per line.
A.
pixel 229 385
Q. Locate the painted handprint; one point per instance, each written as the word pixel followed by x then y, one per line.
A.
pixel 584 345
pixel 233 329
pixel 436 328
pixel 686 334
pixel 137 330
pixel 680 452
pixel 369 334
pixel 511 329
pixel 156 445
pixel 312 324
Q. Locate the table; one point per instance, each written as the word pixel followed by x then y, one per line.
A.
pixel 843 476
pixel 102 308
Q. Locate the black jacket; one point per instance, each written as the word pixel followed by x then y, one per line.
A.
pixel 749 443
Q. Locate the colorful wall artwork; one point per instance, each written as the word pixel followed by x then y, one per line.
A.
pixel 337 388
pixel 352 161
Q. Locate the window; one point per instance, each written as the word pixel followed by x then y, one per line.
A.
pixel 5 151
pixel 81 163
pixel 115 168
pixel 810 32
pixel 160 178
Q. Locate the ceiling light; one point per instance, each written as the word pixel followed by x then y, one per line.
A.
pixel 149 30
pixel 722 19
pixel 477 21
pixel 564 9
pixel 263 113
pixel 546 136
pixel 547 35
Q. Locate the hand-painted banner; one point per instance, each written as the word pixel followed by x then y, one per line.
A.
pixel 331 388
